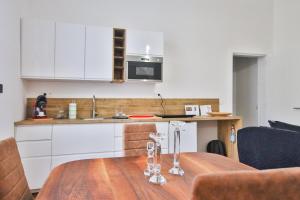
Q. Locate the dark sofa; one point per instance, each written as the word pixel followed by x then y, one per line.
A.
pixel 269 148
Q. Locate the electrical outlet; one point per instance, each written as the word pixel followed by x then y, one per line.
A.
pixel 1 88
pixel 157 90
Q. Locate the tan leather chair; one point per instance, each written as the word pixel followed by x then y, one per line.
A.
pixel 136 138
pixel 13 183
pixel 275 184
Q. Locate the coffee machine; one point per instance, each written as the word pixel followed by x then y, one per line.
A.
pixel 39 110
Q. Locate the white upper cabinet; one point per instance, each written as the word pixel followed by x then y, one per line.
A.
pixel 144 43
pixel 55 50
pixel 69 51
pixel 99 52
pixel 37 48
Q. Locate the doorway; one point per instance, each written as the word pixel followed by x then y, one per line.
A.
pixel 246 88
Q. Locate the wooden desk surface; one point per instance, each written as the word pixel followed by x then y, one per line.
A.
pixel 110 120
pixel 123 178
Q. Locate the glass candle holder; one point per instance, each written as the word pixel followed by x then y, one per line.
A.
pixel 150 159
pixel 176 169
pixel 157 178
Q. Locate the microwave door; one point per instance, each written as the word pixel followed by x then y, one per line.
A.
pixel 148 71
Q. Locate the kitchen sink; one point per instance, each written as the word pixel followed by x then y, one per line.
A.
pixel 94 119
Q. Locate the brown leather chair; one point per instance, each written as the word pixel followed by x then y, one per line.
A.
pixel 136 138
pixel 275 184
pixel 13 183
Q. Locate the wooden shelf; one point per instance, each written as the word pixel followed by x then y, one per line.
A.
pixel 119 55
pixel 118 81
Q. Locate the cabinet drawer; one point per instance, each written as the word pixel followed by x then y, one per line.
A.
pixel 119 143
pixel 119 130
pixel 34 148
pixel 58 160
pixel 27 133
pixel 36 171
pixel 83 138
pixel 188 138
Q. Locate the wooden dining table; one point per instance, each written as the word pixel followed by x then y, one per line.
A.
pixel 123 178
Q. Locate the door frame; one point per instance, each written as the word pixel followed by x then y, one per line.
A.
pixel 261 82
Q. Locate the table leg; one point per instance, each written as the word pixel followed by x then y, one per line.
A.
pixel 224 129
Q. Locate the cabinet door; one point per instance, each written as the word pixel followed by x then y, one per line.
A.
pixel 33 132
pixel 144 42
pixel 69 51
pixel 34 148
pixel 82 138
pixel 163 128
pixel 36 171
pixel 37 48
pixel 188 138
pixel 99 51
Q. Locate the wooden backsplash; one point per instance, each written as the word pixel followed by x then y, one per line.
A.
pixel 108 107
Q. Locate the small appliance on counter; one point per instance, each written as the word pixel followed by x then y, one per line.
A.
pixel 120 115
pixel 192 110
pixel 39 110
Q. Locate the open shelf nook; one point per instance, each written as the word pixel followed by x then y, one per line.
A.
pixel 119 55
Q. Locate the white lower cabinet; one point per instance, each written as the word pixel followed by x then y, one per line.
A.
pixel 33 132
pixel 163 128
pixel 82 138
pixel 34 144
pixel 188 138
pixel 36 170
pixel 43 147
pixel 29 149
pixel 82 141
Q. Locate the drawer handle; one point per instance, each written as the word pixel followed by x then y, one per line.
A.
pixel 296 108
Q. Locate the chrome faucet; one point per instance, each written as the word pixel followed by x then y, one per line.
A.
pixel 94 113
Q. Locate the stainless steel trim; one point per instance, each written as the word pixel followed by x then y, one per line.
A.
pixel 144 58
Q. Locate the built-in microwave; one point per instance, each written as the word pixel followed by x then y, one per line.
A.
pixel 144 68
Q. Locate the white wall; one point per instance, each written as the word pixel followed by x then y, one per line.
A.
pixel 11 101
pixel 200 38
pixel 283 82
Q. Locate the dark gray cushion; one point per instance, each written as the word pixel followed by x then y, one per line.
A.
pixel 268 148
pixel 283 125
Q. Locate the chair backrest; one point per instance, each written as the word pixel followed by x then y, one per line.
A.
pixel 275 184
pixel 136 138
pixel 13 183
pixel 268 148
